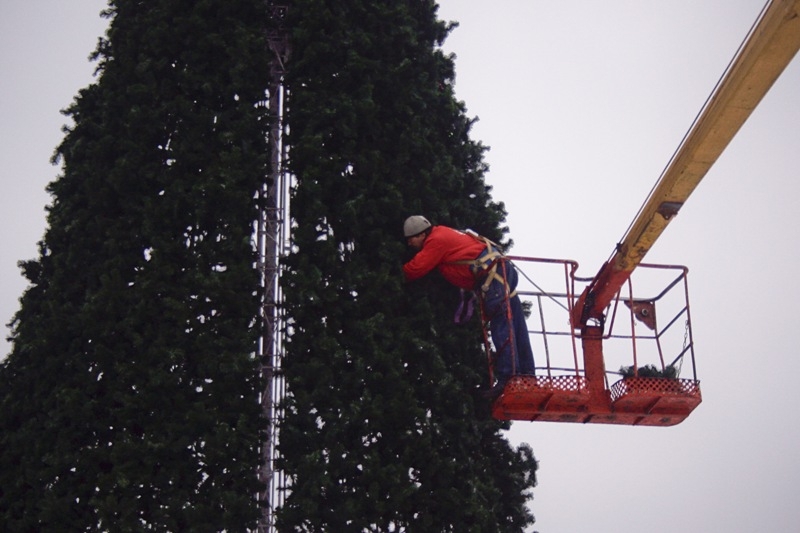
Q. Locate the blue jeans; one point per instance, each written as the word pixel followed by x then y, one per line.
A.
pixel 510 339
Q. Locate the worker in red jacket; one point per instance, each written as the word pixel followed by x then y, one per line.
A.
pixel 471 262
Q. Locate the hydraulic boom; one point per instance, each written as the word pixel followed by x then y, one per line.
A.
pixel 771 45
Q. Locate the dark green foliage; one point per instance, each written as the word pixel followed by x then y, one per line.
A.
pixel 129 401
pixel 649 371
pixel 384 428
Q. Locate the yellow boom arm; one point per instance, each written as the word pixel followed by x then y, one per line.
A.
pixel 770 47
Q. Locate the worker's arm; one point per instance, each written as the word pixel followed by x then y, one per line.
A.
pixel 422 263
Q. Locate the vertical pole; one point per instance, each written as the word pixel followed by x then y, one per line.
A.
pixel 271 235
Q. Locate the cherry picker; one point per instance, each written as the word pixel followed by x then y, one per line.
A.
pixel 582 391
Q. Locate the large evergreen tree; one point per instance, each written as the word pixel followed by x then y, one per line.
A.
pixel 129 401
pixel 384 429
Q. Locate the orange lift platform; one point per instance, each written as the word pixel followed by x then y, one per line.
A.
pixel 647 389
pixel 576 382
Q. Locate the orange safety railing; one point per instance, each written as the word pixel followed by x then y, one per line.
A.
pixel 641 340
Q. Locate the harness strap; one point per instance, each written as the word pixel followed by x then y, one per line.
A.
pixel 493 275
pixel 486 261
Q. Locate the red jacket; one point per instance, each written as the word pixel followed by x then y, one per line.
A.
pixel 441 249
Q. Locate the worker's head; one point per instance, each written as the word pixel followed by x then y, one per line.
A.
pixel 415 229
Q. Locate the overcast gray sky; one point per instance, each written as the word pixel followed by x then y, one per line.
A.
pixel 582 104
pixel 44 50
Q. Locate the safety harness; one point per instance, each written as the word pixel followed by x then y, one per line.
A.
pixel 484 267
